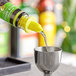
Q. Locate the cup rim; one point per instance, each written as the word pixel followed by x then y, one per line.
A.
pixel 60 49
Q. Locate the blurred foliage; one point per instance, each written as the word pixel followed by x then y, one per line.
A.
pixel 69 16
pixel 66 8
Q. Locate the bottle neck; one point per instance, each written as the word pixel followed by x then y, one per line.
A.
pixel 21 20
pixel 46 5
pixel 46 0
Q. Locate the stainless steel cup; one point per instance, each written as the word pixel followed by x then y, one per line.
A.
pixel 47 62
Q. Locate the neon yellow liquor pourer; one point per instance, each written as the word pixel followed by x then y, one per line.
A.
pixel 29 24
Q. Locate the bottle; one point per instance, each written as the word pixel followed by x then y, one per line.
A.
pixel 18 18
pixel 47 20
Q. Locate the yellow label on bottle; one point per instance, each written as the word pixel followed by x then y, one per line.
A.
pixel 48 21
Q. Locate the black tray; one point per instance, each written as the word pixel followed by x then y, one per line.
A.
pixel 10 65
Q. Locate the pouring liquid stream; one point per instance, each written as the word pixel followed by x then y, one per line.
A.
pixel 45 40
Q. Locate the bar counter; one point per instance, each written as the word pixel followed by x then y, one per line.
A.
pixel 63 70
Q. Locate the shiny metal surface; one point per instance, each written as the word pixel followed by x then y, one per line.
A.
pixel 47 62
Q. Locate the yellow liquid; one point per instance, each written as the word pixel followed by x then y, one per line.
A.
pixel 45 39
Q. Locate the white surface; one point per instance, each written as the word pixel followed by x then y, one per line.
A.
pixel 68 58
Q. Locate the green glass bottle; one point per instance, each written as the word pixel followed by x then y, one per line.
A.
pixel 18 19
